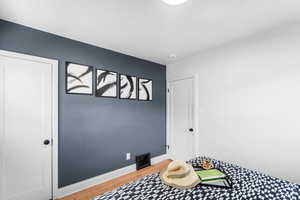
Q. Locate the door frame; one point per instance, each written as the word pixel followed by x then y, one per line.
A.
pixel 54 139
pixel 195 79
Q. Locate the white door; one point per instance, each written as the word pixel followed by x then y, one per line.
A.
pixel 181 119
pixel 25 124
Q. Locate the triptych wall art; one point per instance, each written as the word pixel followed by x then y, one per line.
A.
pixel 127 87
pixel 106 83
pixel 79 80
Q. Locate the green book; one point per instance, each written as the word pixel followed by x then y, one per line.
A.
pixel 210 174
pixel 220 182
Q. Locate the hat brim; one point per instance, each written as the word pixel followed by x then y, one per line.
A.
pixel 187 182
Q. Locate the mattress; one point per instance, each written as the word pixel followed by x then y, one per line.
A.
pixel 246 184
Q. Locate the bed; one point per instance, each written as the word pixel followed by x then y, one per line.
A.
pixel 246 184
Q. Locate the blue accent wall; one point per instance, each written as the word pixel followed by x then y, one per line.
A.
pixel 96 133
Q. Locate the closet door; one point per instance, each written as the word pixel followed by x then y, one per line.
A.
pixel 181 119
pixel 26 132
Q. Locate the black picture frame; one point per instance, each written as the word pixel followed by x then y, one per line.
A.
pixel 120 87
pixel 151 95
pixel 90 69
pixel 96 83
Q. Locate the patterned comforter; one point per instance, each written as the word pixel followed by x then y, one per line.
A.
pixel 246 184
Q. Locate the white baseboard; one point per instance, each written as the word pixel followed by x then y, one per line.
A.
pixel 70 189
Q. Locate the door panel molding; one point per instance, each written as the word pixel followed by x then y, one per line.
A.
pixel 54 110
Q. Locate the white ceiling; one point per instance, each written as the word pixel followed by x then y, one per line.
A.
pixel 150 29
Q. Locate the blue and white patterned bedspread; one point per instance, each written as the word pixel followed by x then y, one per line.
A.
pixel 246 184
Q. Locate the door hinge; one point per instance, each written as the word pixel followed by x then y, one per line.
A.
pixel 167 146
pixel 168 90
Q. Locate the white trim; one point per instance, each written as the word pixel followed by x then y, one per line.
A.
pixel 167 120
pixel 55 130
pixel 54 64
pixel 2 128
pixel 168 130
pixel 195 78
pixel 70 189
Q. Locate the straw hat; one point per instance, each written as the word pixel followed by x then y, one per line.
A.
pixel 180 175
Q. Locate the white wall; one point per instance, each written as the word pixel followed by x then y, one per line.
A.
pixel 249 101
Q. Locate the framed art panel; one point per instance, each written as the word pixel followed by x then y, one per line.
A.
pixel 128 87
pixel 106 83
pixel 79 79
pixel 145 89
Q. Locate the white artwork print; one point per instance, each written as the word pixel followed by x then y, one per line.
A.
pixel 145 89
pixel 106 83
pixel 79 79
pixel 127 87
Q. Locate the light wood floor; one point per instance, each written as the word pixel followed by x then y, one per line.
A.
pixel 94 191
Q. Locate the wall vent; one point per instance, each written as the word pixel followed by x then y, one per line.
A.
pixel 143 161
